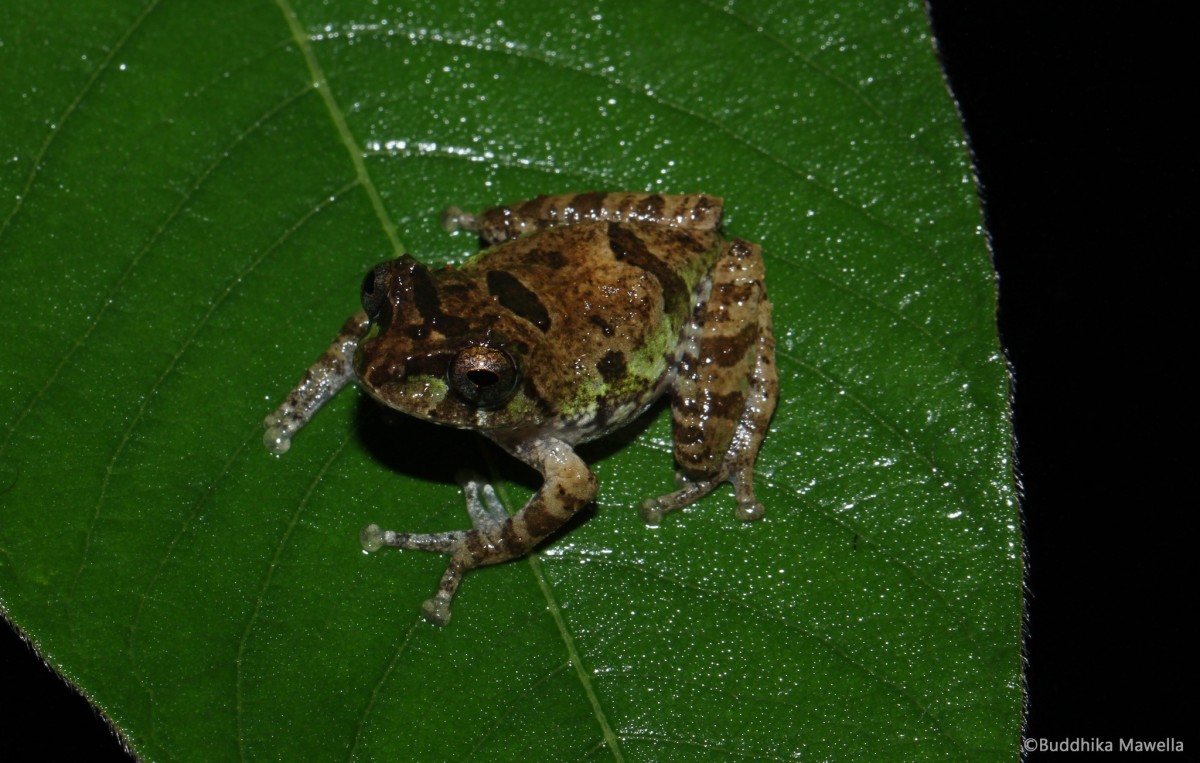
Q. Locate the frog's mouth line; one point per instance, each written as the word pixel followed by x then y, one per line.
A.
pixel 418 395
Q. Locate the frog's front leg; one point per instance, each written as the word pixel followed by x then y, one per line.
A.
pixel 324 379
pixel 698 212
pixel 496 537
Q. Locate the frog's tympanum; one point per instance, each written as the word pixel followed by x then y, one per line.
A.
pixel 580 313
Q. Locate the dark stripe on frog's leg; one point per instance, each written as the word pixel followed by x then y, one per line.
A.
pixel 699 212
pixel 718 361
pixel 652 207
pixel 731 350
pixel 726 387
pixel 627 247
pixel 590 206
pixel 513 294
pixel 703 430
pixel 568 487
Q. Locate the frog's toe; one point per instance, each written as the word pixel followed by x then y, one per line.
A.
pixel 277 437
pixel 483 505
pixel 372 538
pixel 277 440
pixel 652 512
pixel 751 511
pixel 653 509
pixel 454 218
pixel 436 611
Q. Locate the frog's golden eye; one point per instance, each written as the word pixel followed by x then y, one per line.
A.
pixel 374 291
pixel 483 376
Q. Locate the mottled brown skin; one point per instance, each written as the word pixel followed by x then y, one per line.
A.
pixel 583 311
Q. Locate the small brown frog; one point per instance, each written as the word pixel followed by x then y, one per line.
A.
pixel 580 313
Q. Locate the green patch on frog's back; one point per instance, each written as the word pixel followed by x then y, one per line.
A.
pixel 616 296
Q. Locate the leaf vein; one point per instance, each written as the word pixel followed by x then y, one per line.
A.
pixel 828 644
pixel 361 725
pixel 437 151
pixel 911 444
pixel 210 489
pixel 855 90
pixel 523 52
pixel 102 309
pixel 585 680
pixel 187 342
pixel 72 108
pixel 513 705
pixel 268 578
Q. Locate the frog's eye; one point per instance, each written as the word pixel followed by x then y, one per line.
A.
pixel 374 291
pixel 484 376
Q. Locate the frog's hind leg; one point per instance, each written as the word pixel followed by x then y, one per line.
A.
pixel 495 536
pixel 726 388
pixel 698 212
pixel 752 427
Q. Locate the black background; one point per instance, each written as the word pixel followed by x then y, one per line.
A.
pixel 1069 108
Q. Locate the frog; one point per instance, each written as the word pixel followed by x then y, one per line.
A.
pixel 580 311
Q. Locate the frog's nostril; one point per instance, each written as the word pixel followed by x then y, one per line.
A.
pixel 374 291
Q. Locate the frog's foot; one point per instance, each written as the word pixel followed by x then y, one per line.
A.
pixel 437 608
pixel 740 475
pixel 749 509
pixel 653 509
pixel 466 548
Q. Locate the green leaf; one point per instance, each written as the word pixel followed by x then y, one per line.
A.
pixel 184 222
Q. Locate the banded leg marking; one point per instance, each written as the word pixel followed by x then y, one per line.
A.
pixel 324 379
pixel 496 537
pixel 727 387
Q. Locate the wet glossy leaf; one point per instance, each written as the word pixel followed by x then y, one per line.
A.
pixel 184 222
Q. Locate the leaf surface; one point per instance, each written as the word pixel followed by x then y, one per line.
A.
pixel 190 198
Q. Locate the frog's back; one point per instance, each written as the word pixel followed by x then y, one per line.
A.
pixel 609 301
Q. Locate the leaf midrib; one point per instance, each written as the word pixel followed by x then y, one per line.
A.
pixel 338 117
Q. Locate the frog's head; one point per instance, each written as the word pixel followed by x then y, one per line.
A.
pixel 439 348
